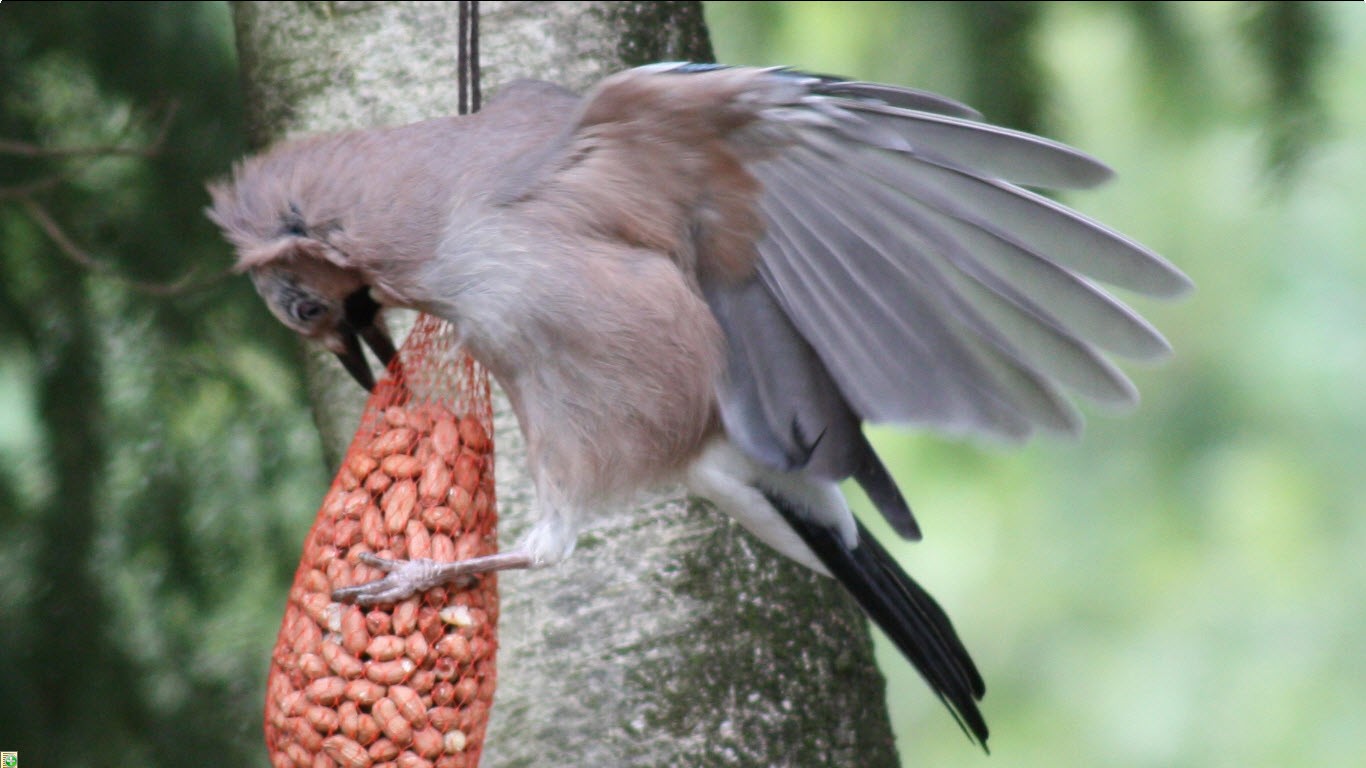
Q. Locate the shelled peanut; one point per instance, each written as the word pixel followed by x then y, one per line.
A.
pixel 406 685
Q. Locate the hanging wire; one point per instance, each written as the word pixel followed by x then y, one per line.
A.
pixel 467 57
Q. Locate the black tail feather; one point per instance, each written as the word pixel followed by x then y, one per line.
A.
pixel 873 477
pixel 904 610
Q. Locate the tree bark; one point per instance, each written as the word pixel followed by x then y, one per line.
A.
pixel 670 637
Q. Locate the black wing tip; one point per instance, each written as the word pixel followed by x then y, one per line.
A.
pixel 873 477
pixel 914 622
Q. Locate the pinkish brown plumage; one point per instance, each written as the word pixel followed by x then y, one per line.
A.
pixel 716 276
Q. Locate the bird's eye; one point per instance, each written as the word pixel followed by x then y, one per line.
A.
pixel 307 311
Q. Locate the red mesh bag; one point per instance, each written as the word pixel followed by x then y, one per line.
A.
pixel 407 684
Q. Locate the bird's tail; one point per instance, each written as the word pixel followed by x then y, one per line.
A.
pixel 903 609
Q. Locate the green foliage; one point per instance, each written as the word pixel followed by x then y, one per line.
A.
pixel 158 464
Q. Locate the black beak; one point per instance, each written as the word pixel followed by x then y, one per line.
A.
pixel 361 321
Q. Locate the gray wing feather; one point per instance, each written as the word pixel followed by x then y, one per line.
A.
pixel 895 96
pixel 1033 222
pixel 781 406
pixel 988 150
pixel 886 340
pixel 988 306
pixel 777 399
pixel 931 288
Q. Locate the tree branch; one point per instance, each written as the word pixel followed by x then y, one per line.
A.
pixel 68 247
pixel 25 195
pixel 151 149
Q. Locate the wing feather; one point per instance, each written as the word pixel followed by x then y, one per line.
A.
pixel 880 237
pixel 902 233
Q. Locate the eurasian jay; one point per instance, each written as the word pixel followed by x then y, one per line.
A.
pixel 716 275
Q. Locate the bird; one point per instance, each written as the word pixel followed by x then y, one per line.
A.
pixel 716 276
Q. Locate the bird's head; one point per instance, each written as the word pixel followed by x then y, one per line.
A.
pixel 290 238
pixel 329 305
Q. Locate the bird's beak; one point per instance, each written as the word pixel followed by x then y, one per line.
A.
pixel 361 322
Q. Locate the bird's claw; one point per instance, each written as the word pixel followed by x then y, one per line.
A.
pixel 405 578
pixel 409 577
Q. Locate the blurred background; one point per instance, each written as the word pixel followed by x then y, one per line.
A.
pixel 1180 587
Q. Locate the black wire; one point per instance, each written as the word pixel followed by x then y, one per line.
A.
pixel 461 61
pixel 467 57
pixel 474 56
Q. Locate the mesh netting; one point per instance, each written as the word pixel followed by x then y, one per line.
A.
pixel 406 684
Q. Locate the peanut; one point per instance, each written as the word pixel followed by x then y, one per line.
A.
pixel 385 647
pixel 460 501
pixel 396 416
pixel 378 622
pixel 389 672
pixel 384 749
pixel 361 463
pixel 472 434
pixel 465 690
pixel 298 754
pixel 435 482
pixel 401 466
pixel 372 528
pixel 313 666
pixel 367 730
pixel 346 533
pixel 416 648
pixel 443 693
pixel 325 690
pixel 438 518
pixel 445 438
pixel 364 692
pixel 409 705
pixel 324 720
pixel 347 716
pixel 405 617
pixel 347 753
pixel 443 548
pixel 410 760
pixel 443 718
pixel 397 440
pixel 427 742
pixel 454 647
pixel 393 724
pixel 315 605
pixel 419 541
pixel 422 681
pixel 468 469
pixel 354 636
pixel 454 741
pixel 378 483
pixel 398 506
pixel 403 685
pixel 341 662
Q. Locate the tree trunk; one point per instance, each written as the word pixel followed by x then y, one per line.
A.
pixel 670 637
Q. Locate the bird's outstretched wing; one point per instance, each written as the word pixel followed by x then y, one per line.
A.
pixel 871 253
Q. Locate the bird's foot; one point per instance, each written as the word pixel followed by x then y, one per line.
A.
pixel 409 577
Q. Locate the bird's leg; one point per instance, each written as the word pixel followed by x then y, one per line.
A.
pixel 547 542
pixel 409 577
